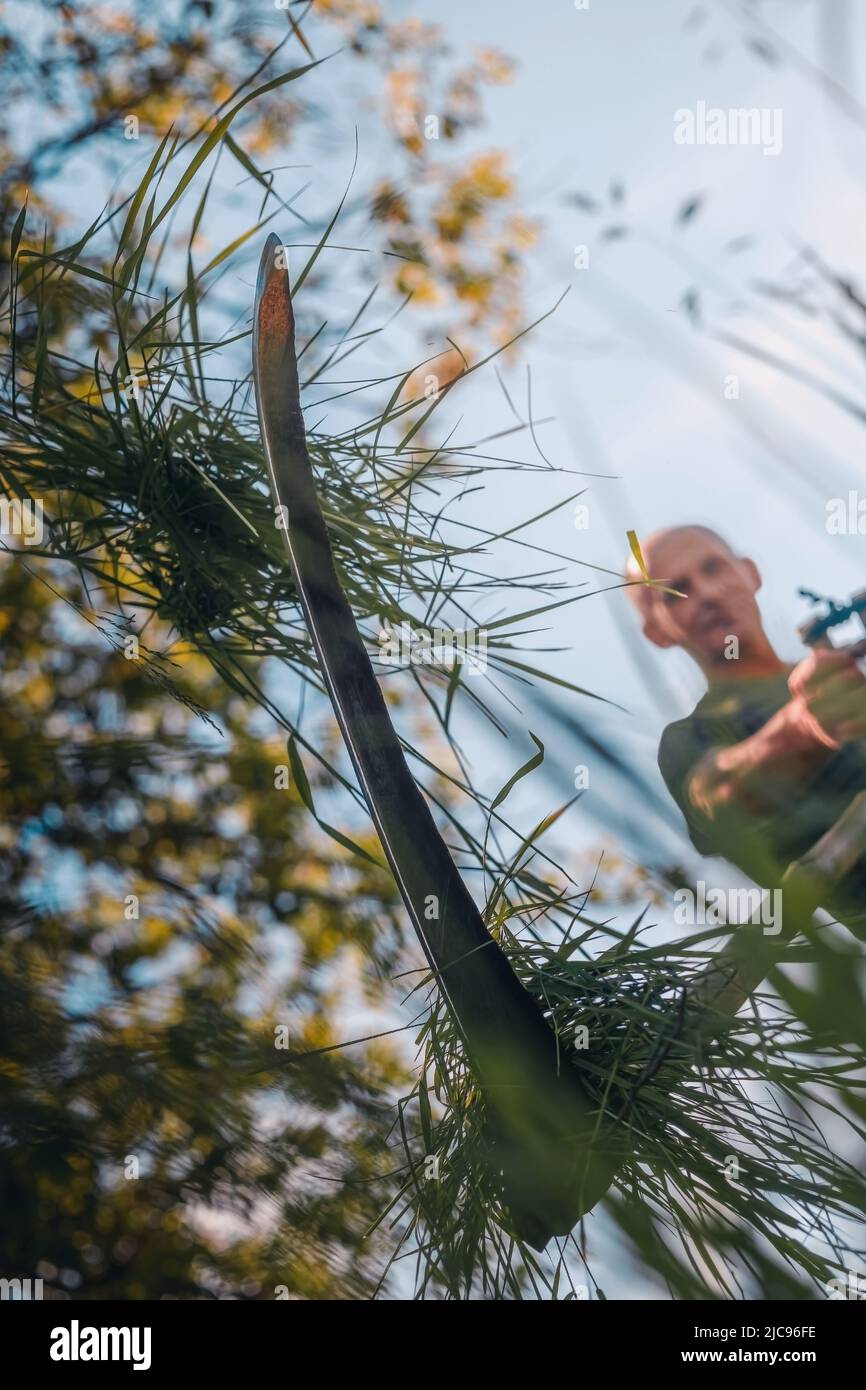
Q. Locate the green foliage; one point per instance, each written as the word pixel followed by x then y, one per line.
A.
pixel 727 1163
pixel 155 1141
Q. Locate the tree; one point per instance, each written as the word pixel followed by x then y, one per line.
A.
pixel 107 83
pixel 148 590
pixel 153 872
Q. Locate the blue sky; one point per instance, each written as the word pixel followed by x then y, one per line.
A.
pixel 639 393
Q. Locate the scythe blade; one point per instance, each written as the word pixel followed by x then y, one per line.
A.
pixel 540 1115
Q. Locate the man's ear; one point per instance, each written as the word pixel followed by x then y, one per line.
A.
pixel 654 630
pixel 754 574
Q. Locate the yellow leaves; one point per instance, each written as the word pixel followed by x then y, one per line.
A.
pixel 462 247
pixel 413 33
pixel 494 66
pixel 161 109
pixel 450 224
pixel 316 1032
pixel 478 291
pixel 389 204
pixel 221 90
pixel 405 107
pixel 455 220
pixel 634 546
pixel 383 1059
pixel 463 201
pixel 84 388
pixel 350 15
pixel 127 576
pixel 417 280
pixel 119 24
pixel 401 84
pixel 172 1127
pixel 488 176
pixel 443 369
pixel 640 562
pixel 310 873
pixel 40 692
pixel 521 232
pixel 154 935
pixel 272 130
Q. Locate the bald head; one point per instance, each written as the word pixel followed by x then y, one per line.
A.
pixel 715 599
pixel 661 548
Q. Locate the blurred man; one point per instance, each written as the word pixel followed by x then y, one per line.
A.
pixel 773 753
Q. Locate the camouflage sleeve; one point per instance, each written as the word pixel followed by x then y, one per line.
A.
pixel 741 838
pixel 680 750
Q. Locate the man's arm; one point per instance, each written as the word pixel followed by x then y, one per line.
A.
pixel 827 707
pixel 756 774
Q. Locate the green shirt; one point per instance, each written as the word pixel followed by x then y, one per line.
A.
pixel 763 846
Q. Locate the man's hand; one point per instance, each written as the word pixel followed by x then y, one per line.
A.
pixel 827 707
pixel 828 703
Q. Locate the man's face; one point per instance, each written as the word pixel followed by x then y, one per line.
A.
pixel 720 589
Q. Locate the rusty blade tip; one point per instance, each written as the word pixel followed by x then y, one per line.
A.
pixel 273 319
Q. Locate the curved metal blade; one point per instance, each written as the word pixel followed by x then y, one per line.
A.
pixel 541 1114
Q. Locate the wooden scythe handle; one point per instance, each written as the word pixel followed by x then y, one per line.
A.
pixel 541 1117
